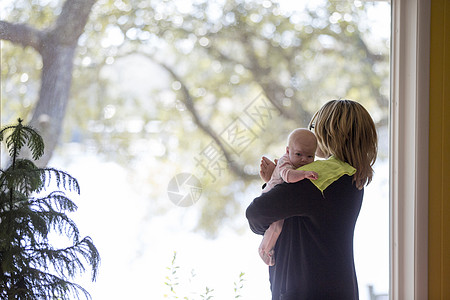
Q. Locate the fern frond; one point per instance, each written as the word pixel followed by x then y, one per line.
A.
pixel 45 285
pixel 66 261
pixel 56 200
pixel 23 227
pixel 63 179
pixel 20 136
pixel 62 224
pixel 32 227
pixel 27 178
pixel 35 142
pixel 23 176
pixel 91 254
pixel 6 129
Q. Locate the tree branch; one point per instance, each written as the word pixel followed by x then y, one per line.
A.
pixel 22 34
pixel 257 72
pixel 188 101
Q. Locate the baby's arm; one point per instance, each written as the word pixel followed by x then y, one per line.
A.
pixel 291 175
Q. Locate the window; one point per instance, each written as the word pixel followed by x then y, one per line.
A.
pixel 170 125
pixel 409 149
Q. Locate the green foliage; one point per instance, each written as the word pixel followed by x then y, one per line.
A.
pixel 207 295
pixel 172 279
pixel 239 285
pixel 173 282
pixel 20 136
pixel 31 268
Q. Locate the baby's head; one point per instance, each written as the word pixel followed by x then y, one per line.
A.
pixel 301 148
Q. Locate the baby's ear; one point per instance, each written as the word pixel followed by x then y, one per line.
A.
pixel 287 149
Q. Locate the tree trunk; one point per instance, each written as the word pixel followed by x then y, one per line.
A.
pixel 56 79
pixel 57 47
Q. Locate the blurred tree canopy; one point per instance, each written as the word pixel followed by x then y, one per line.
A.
pixel 205 86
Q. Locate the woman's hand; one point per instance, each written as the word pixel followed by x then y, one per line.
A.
pixel 266 168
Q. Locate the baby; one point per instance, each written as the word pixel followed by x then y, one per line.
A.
pixel 300 151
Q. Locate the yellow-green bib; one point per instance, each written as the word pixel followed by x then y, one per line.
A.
pixel 329 171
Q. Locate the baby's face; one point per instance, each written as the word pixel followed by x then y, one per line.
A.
pixel 301 153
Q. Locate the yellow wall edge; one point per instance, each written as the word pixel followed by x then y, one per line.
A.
pixel 439 158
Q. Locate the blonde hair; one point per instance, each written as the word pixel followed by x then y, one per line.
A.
pixel 346 130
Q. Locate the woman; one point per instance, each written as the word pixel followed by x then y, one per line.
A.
pixel 314 253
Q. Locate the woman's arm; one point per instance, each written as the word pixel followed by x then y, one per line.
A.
pixel 282 201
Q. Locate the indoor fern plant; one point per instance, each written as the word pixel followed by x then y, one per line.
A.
pixel 30 267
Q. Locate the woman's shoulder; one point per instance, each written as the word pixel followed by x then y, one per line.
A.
pixel 332 163
pixel 343 186
pixel 329 171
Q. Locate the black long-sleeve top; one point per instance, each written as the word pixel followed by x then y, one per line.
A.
pixel 314 253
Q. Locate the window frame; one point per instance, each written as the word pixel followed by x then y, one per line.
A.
pixel 409 117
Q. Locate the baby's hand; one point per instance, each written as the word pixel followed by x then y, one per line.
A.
pixel 266 168
pixel 311 175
